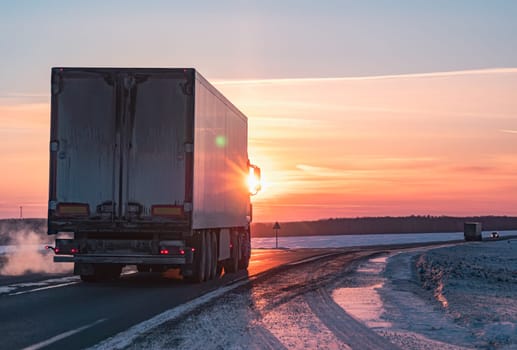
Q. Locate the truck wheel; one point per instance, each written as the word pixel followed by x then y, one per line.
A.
pixel 244 262
pixel 209 255
pixel 219 270
pixel 88 278
pixel 215 256
pixel 102 273
pixel 232 265
pixel 108 272
pixel 199 268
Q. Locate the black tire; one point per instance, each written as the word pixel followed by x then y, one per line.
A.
pixel 199 270
pixel 89 278
pixel 215 254
pixel 232 265
pixel 244 262
pixel 219 270
pixel 209 256
pixel 103 272
pixel 109 272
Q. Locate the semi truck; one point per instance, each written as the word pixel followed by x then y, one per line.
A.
pixel 148 167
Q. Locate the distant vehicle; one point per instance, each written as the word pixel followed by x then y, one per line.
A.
pixel 494 234
pixel 472 231
pixel 148 167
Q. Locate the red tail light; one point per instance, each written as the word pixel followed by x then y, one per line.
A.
pixel 164 251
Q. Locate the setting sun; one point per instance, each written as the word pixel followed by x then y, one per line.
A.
pixel 434 144
pixel 254 180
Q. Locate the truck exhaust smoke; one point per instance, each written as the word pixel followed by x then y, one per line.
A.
pixel 25 253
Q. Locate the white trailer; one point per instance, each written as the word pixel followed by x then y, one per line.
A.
pixel 148 167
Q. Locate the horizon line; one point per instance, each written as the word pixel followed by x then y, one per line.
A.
pixel 338 218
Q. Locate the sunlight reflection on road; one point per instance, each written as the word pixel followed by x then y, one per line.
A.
pixel 363 302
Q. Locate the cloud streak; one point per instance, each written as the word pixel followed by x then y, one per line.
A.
pixel 489 71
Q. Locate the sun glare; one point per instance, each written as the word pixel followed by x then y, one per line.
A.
pixel 254 181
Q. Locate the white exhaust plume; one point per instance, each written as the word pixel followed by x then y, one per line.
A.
pixel 26 253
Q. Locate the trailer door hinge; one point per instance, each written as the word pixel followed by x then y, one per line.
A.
pixel 54 146
pixel 189 147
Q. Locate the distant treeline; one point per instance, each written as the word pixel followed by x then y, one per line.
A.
pixel 337 226
pixel 373 225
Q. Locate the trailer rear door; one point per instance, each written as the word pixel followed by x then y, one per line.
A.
pixel 85 143
pixel 118 143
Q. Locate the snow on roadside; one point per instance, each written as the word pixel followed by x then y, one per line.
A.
pixel 476 286
pixel 243 320
pixel 456 297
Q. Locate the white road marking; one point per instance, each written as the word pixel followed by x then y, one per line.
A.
pixel 62 336
pixel 62 281
pixel 43 288
pixel 6 289
pixel 45 284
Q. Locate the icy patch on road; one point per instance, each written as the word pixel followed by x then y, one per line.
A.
pixel 456 297
pixel 363 302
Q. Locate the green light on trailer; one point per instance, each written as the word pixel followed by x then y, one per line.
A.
pixel 220 141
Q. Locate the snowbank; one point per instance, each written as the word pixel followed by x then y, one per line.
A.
pixel 454 297
pixel 476 286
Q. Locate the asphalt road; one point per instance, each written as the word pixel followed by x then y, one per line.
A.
pixel 60 312
pixel 292 308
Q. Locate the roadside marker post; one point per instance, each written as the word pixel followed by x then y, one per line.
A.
pixel 276 227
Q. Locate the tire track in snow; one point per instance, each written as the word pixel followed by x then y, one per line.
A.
pixel 264 339
pixel 344 326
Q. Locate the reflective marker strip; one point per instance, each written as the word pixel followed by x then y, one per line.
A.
pixel 62 336
pixel 166 210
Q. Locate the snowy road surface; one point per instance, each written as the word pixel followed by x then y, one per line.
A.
pixel 456 297
pixel 291 309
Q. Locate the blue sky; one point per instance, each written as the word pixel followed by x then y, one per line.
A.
pixel 260 39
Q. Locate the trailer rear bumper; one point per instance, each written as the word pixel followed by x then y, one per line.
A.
pixel 125 259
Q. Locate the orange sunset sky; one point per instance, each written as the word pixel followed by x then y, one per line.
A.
pixel 408 132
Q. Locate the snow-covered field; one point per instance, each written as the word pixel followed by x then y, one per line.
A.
pixel 463 296
pixel 338 241
pixel 332 241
